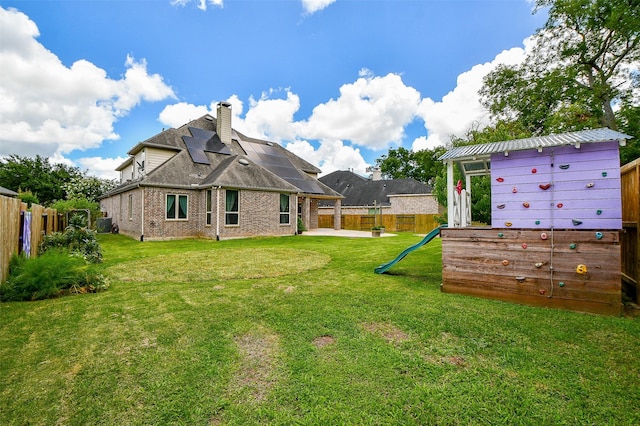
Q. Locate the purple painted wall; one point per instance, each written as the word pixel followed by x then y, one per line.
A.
pixel 584 191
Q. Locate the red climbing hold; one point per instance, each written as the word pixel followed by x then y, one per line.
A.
pixel 534 170
pixel 559 205
pixel 545 186
pixel 514 190
pixel 525 205
pixel 500 179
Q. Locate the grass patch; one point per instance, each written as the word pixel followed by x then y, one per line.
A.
pixel 300 330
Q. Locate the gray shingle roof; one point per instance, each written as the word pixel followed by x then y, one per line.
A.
pixel 359 191
pixel 224 170
pixel 572 138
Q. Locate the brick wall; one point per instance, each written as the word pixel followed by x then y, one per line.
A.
pixel 413 204
pixel 259 214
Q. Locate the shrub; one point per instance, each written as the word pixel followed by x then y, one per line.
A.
pixel 52 274
pixel 76 239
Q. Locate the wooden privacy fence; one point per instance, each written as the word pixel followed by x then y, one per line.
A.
pixel 630 238
pixel 419 223
pixel 40 221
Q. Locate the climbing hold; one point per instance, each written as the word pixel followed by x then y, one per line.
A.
pixel 576 222
pixel 508 224
pixel 545 186
pixel 524 245
pixel 539 265
pixel 599 235
pixel 500 179
pixel 572 246
pixel 598 212
pixel 500 234
pixel 559 205
pixel 514 190
pixel 501 206
pixel 505 262
pixel 561 283
pixel 542 291
pixel 604 174
pixel 581 269
pixel 534 170
pixel 564 166
pixel 590 185
pixel 521 279
pixel 537 222
pixel 525 205
pixel 543 236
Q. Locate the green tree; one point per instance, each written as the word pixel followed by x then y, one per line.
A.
pixel 580 73
pixel 402 163
pixel 36 175
pixel 89 187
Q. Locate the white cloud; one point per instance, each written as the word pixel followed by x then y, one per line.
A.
pixel 370 112
pixel 50 109
pixel 312 6
pixel 460 109
pixel 331 155
pixel 201 4
pixel 178 114
pixel 104 168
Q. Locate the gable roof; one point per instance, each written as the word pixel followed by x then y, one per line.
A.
pixel 7 192
pixel 358 191
pixel 571 138
pixel 202 160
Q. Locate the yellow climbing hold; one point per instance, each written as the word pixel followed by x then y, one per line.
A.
pixel 581 269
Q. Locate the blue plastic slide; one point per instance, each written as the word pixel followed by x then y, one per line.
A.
pixel 430 236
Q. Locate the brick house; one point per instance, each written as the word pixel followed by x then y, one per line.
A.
pixel 398 204
pixel 204 179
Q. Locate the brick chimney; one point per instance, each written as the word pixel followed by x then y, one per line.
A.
pixel 223 122
pixel 376 173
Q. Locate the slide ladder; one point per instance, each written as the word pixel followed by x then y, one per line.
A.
pixel 430 236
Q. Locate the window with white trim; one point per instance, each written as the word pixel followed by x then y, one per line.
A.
pixel 284 209
pixel 177 207
pixel 231 213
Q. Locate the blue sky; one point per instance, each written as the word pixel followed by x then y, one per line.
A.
pixel 337 82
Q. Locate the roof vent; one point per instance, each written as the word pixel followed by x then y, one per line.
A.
pixel 208 117
pixel 243 161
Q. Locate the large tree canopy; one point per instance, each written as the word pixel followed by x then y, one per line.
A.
pixel 582 72
pixel 48 182
pixel 402 163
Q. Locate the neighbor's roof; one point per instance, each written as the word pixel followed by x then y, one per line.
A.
pixel 572 138
pixel 359 191
pixel 7 192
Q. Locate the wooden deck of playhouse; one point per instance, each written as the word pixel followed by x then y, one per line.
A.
pixel 520 266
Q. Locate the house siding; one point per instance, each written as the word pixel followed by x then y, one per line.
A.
pixel 413 204
pixel 156 157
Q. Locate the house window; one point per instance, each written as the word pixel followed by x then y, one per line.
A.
pixel 231 216
pixel 208 201
pixel 130 206
pixel 177 206
pixel 284 209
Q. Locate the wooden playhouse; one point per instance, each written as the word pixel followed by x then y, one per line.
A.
pixel 556 218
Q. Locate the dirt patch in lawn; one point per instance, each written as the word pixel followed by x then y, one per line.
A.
pixel 322 341
pixel 257 372
pixel 388 332
pixel 227 264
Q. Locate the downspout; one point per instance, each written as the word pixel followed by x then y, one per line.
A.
pixel 142 215
pixel 217 213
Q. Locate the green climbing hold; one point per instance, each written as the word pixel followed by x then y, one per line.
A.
pixel 572 246
pixel 576 222
pixel 604 174
pixel 561 283
pixel 500 234
pixel 598 212
pixel 537 222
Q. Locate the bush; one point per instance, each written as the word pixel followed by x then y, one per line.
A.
pixel 52 274
pixel 76 239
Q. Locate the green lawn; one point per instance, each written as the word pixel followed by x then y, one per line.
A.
pixel 299 330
